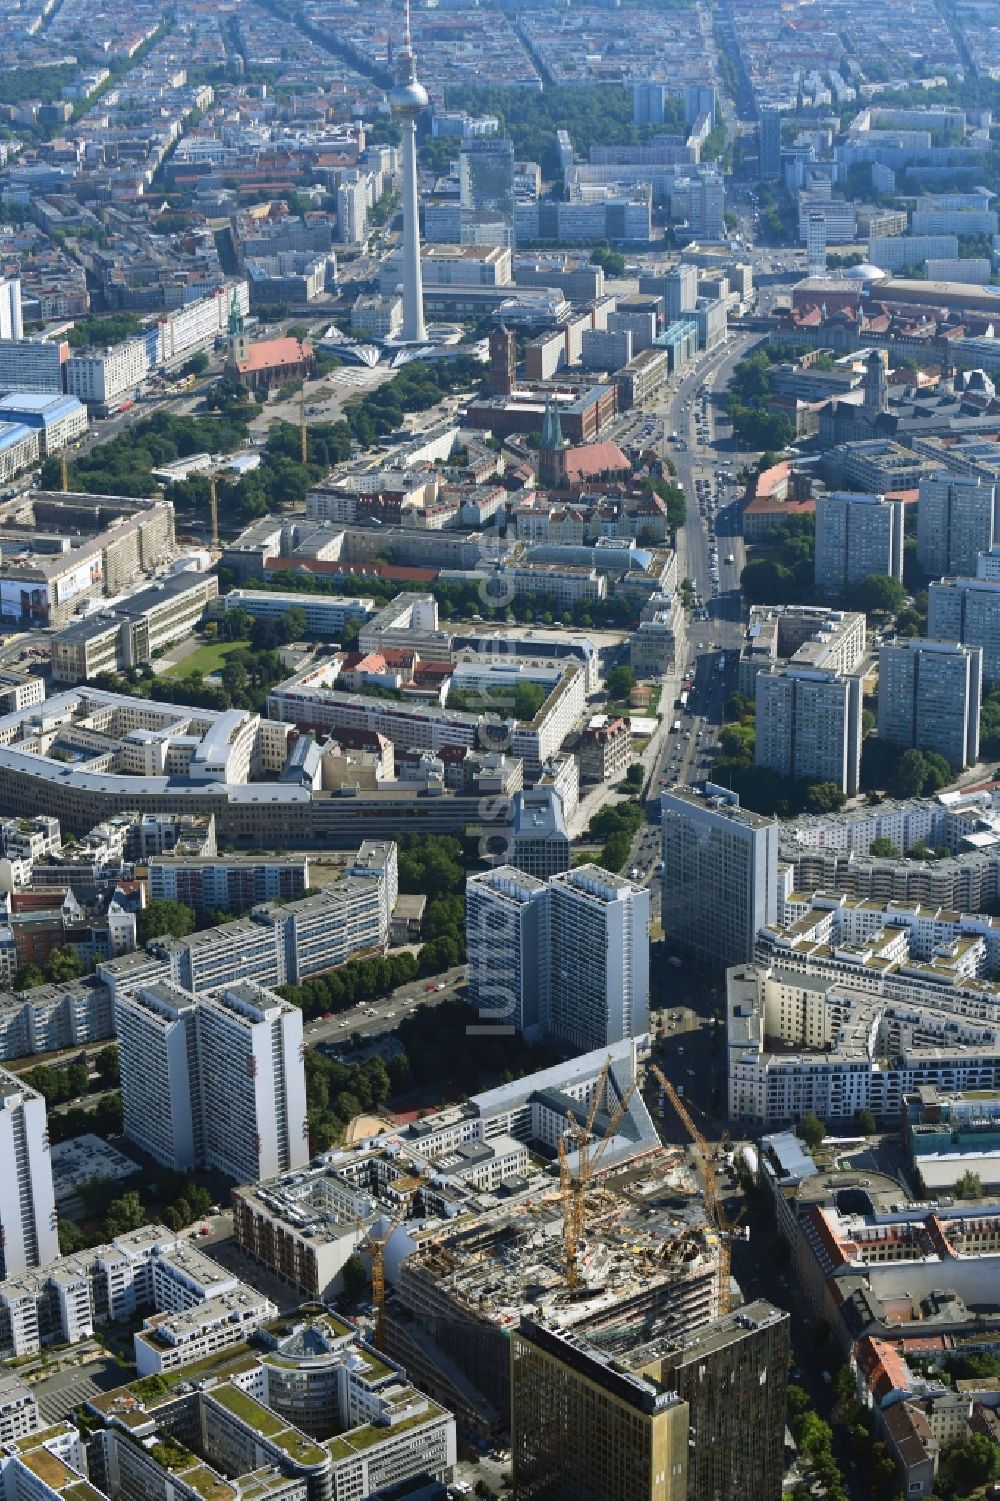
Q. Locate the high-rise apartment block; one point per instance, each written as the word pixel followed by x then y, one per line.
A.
pixel 11 321
pixel 968 610
pixel 770 145
pixel 567 958
pixel 599 980
pixel 214 1080
pixel 956 521
pixel 929 695
pixel 699 99
pixel 809 725
pixel 856 535
pixel 507 946
pixel 720 875
pixel 28 1232
pixel 649 102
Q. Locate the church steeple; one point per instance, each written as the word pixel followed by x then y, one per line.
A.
pixel 239 339
pixel 552 437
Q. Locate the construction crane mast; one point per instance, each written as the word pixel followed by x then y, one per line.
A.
pixel 213 508
pixel 573 1185
pixel 713 1204
pixel 376 1249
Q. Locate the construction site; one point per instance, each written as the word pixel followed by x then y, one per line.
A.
pixel 647 1266
pixel 549 1198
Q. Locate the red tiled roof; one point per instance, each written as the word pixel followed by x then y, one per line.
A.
pixel 271 353
pixel 594 459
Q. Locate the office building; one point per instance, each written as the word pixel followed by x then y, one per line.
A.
pixel 700 201
pixel 802 636
pixel 956 521
pixel 486 186
pixel 599 958
pixel 720 875
pixel 11 321
pixel 32 365
pixel 507 948
pixel 58 420
pixel 968 610
pixel 541 844
pixel 856 535
pixel 769 135
pixel 815 244
pixel 407 101
pixel 28 1234
pixel 133 631
pixel 680 291
pixel 809 725
pixel 732 1374
pixel 215 1080
pixel 584 1427
pixel 929 695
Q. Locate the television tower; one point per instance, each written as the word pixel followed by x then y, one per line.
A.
pixel 407 100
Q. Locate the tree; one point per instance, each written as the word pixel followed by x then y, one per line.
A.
pixel 125 1214
pixel 62 964
pixel 108 1069
pixel 355 1278
pixel 634 775
pixel 969 1186
pixel 866 1123
pixel 878 594
pixel 27 977
pixel 164 918
pixel 883 848
pixel 71 1238
pixel 967 1466
pixel 619 683
pixel 811 1130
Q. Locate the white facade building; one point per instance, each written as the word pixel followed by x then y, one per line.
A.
pixel 599 958
pixel 28 1233
pixel 507 948
pixel 214 1080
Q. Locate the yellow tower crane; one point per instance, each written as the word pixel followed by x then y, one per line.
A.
pixel 573 1185
pixel 376 1245
pixel 713 1204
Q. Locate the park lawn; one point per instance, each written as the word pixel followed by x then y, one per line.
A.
pixel 207 659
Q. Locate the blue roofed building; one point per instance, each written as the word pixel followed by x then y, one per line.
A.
pixel 57 420
pixel 18 448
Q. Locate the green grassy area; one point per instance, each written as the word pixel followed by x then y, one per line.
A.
pixel 246 1407
pixel 207 659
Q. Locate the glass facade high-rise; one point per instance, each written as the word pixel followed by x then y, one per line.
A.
pixel 486 178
